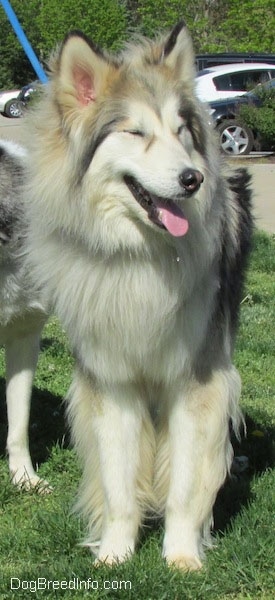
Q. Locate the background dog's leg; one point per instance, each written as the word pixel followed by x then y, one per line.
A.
pixel 200 455
pixel 109 427
pixel 21 360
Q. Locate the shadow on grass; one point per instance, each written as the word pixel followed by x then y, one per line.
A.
pixel 47 423
pixel 258 448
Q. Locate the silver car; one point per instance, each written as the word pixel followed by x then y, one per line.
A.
pixel 8 104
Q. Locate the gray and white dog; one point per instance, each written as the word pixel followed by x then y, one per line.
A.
pixel 22 316
pixel 139 236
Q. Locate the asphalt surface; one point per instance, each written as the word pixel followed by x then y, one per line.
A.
pixel 263 185
pixel 263 177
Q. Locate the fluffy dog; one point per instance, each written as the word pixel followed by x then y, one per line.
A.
pixel 140 242
pixel 22 315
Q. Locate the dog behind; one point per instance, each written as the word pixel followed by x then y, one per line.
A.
pixel 140 241
pixel 21 314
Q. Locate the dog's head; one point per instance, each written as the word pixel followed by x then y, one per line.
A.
pixel 136 130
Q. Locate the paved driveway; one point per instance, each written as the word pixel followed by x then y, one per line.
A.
pixel 11 129
pixel 263 182
pixel 263 178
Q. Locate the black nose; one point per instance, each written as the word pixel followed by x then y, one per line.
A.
pixel 190 180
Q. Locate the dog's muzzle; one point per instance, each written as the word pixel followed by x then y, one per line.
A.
pixel 165 212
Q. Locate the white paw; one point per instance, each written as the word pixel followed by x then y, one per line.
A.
pixel 112 549
pixel 181 546
pixel 28 480
pixel 117 553
pixel 184 563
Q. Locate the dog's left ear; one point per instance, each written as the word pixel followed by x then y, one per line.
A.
pixel 178 53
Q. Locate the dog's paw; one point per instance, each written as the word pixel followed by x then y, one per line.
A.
pixel 109 561
pixel 184 563
pixel 106 556
pixel 30 481
pixel 114 557
pixel 117 552
pixel 116 545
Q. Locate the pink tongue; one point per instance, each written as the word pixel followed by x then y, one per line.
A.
pixel 172 217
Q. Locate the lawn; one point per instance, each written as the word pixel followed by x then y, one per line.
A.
pixel 39 535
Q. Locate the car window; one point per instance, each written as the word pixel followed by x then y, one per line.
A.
pixel 241 81
pixel 222 83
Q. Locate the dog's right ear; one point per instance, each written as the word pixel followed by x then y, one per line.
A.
pixel 80 74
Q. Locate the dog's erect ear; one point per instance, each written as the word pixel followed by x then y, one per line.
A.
pixel 81 72
pixel 178 53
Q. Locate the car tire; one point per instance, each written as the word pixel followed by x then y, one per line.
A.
pixel 235 137
pixel 13 109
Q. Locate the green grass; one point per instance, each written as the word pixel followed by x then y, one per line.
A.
pixel 39 535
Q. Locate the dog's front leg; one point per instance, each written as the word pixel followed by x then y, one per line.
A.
pixel 114 438
pixel 118 434
pixel 21 359
pixel 200 455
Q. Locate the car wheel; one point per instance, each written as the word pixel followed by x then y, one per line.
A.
pixel 13 109
pixel 235 137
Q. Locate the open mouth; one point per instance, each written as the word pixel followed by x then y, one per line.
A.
pixel 164 213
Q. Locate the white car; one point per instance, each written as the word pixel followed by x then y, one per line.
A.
pixel 227 81
pixel 7 105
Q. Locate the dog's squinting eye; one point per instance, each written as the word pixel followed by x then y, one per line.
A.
pixel 136 132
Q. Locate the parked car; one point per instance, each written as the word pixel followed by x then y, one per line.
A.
pixel 8 103
pixel 227 81
pixel 24 96
pixel 203 61
pixel 235 136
